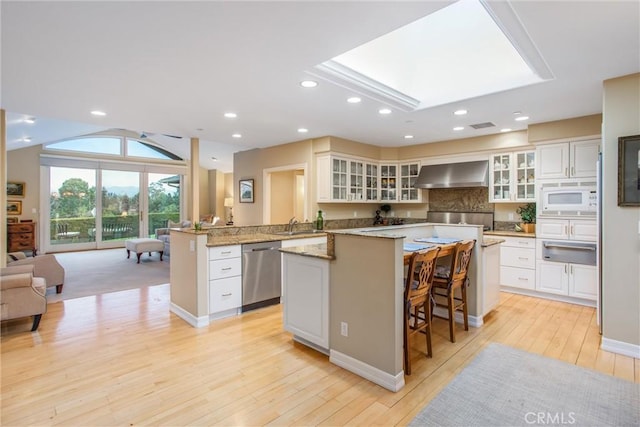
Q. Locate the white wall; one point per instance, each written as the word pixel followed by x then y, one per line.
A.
pixel 620 233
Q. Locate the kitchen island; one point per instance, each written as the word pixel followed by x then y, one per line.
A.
pixel 365 286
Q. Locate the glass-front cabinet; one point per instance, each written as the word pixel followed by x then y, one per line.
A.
pixel 388 184
pixel 338 179
pixel 512 177
pixel 345 179
pixel 371 181
pixel 408 175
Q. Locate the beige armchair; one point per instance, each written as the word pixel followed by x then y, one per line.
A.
pixel 22 294
pixel 46 266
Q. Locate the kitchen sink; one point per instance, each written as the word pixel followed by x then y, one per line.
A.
pixel 296 233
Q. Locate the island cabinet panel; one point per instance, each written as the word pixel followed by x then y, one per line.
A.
pixel 306 299
pixel 225 280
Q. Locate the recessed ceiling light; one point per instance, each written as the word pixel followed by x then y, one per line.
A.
pixel 384 111
pixel 230 115
pixel 26 139
pixel 517 113
pixel 237 135
pixel 522 118
pixel 303 130
pixel 98 113
pixel 457 128
pixel 408 137
pixel 505 130
pixel 215 159
pixel 460 112
pixel 308 83
pixel 354 100
pixel 199 129
pixel 30 120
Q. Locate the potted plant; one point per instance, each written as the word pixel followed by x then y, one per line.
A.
pixel 528 215
pixel 385 208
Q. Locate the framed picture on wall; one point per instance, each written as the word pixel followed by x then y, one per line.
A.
pixel 629 170
pixel 12 220
pixel 246 191
pixel 15 189
pixel 14 207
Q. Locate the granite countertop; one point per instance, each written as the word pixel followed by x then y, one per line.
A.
pixel 315 251
pixel 510 234
pixel 240 239
pixel 490 242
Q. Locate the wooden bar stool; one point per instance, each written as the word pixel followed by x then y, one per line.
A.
pixel 445 286
pixel 417 296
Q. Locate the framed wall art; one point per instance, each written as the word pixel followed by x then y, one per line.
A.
pixel 246 191
pixel 629 170
pixel 15 189
pixel 12 220
pixel 14 207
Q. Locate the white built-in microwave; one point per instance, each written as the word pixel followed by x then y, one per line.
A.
pixel 569 200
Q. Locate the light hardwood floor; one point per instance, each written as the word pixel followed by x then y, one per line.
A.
pixel 123 359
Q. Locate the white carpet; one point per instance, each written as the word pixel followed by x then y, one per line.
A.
pixel 504 386
pixel 109 270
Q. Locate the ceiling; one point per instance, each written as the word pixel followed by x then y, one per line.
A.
pixel 176 67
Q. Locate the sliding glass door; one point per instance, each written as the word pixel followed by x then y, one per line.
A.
pixel 130 204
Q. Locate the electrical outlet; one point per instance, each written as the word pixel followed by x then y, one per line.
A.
pixel 355 214
pixel 344 329
pixel 510 216
pixel 192 245
pixel 34 210
pixel 408 214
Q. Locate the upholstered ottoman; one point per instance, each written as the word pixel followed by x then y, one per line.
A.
pixel 144 245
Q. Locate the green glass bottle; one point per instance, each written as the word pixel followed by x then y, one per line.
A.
pixel 319 221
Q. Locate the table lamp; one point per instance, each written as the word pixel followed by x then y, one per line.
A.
pixel 228 203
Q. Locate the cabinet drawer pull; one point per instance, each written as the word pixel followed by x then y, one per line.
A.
pixel 523 258
pixel 225 252
pixel 523 243
pixel 227 295
pixel 565 171
pixel 523 278
pixel 225 269
pixel 573 171
pixel 565 268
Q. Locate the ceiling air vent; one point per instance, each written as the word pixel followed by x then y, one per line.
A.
pixel 482 125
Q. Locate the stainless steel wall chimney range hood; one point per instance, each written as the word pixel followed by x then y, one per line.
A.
pixel 454 175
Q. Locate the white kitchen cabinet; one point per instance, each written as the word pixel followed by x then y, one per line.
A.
pixel 552 277
pixel 225 280
pixel 567 229
pixel 576 159
pixel 518 262
pixel 306 299
pixel 408 175
pixel 512 177
pixel 583 281
pixel 342 179
pixel 388 182
pixel 574 280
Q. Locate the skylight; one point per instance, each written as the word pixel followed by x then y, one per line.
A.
pixel 456 53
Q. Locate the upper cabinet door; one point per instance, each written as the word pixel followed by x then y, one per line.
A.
pixel 408 175
pixel 501 178
pixel 584 158
pixel 553 161
pixel 371 181
pixel 524 180
pixel 388 183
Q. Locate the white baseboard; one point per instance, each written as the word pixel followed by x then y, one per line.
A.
pixel 474 321
pixel 373 374
pixel 620 347
pixel 196 322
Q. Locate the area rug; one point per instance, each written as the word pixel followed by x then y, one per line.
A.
pixel 107 270
pixel 504 386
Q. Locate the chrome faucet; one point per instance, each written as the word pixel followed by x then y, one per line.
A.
pixel 293 221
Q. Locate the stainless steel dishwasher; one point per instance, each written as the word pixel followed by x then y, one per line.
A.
pixel 261 272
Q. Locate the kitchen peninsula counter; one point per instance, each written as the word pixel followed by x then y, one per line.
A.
pixel 364 311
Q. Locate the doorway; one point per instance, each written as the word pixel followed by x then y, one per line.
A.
pixel 285 194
